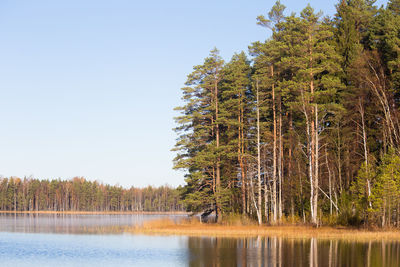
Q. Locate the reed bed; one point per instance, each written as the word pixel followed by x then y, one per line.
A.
pixel 195 228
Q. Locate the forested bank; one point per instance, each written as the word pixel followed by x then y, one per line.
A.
pixel 80 194
pixel 304 129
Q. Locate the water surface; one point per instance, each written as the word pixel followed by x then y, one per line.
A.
pixel 73 223
pixel 69 240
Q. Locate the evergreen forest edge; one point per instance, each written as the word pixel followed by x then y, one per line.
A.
pixel 306 129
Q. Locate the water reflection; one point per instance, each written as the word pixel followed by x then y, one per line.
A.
pixel 59 244
pixel 73 223
pixel 273 251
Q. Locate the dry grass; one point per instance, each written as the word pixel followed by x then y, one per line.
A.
pixel 195 228
pixel 94 212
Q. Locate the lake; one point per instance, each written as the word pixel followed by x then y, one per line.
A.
pixel 83 240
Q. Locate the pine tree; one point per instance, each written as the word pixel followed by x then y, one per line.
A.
pixel 199 140
pixel 235 114
pixel 310 65
pixel 266 58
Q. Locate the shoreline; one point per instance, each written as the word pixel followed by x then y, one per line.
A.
pixel 195 229
pixel 96 212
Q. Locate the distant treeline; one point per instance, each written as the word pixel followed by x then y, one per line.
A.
pixel 80 194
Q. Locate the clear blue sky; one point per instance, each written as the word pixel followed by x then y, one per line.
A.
pixel 88 87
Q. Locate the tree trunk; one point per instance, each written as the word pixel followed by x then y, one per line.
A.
pixel 280 160
pixel 316 168
pixel 364 136
pixel 259 202
pixel 265 189
pixel 240 157
pixel 274 200
pixel 329 180
pixel 218 171
pixel 314 141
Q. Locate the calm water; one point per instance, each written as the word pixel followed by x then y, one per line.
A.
pixel 69 240
pixel 72 224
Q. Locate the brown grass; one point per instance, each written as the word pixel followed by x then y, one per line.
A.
pixel 195 228
pixel 93 212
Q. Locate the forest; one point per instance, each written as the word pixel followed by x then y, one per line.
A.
pixel 304 126
pixel 80 194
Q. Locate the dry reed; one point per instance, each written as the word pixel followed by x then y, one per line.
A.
pixel 195 228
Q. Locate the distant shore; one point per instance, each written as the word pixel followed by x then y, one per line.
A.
pixel 169 227
pixel 97 212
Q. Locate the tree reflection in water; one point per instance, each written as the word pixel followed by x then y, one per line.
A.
pixel 277 252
